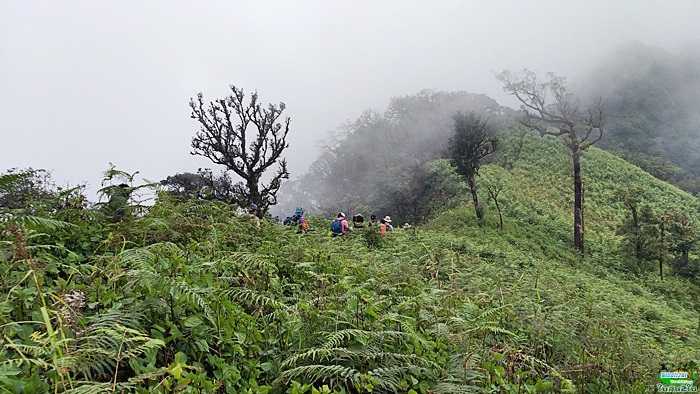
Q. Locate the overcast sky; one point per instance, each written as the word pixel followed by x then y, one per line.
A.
pixel 85 83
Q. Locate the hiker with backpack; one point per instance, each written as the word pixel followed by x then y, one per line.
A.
pixel 387 220
pixel 358 221
pixel 340 226
pixel 294 219
pixel 382 227
pixel 253 214
pixel 373 220
pixel 303 224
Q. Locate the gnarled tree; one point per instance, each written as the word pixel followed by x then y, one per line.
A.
pixel 549 108
pixel 248 139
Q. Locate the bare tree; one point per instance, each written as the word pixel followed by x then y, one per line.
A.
pixel 551 109
pixel 246 138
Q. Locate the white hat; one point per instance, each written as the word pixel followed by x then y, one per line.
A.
pixel 387 219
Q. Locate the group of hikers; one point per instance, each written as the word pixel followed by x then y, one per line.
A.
pixel 340 226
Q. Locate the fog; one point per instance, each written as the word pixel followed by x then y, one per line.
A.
pixel 83 84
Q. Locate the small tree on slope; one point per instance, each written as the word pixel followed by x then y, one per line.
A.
pixel 469 145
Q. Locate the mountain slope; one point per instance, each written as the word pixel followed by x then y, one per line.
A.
pixel 190 297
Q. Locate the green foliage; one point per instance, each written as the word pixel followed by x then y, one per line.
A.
pixel 22 189
pixel 373 236
pixel 190 296
pixel 204 185
pixel 471 142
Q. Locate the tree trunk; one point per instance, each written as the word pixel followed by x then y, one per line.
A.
pixel 475 197
pixel 500 216
pixel 256 197
pixel 661 249
pixel 638 247
pixel 578 199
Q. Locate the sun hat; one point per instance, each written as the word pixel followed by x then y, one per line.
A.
pixel 387 219
pixel 341 215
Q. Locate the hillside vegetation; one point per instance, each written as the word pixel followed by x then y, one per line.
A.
pixel 193 297
pixel 650 96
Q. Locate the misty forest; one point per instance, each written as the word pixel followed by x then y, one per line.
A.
pixel 552 247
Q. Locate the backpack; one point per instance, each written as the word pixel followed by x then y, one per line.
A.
pixel 358 221
pixel 297 215
pixel 337 227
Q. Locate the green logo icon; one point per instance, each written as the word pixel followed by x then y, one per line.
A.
pixel 677 381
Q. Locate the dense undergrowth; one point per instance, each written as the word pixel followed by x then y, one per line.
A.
pixel 193 297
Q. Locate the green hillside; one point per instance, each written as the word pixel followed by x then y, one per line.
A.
pixel 653 120
pixel 193 297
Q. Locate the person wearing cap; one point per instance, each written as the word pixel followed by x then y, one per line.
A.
pixel 387 219
pixel 340 226
pixel 373 220
pixel 253 214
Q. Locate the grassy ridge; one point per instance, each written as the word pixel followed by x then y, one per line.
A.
pixel 192 297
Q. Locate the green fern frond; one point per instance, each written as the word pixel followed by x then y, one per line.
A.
pixel 320 354
pixel 112 317
pixel 104 347
pixel 389 377
pixel 138 258
pixel 407 323
pixel 246 259
pixel 334 339
pixel 391 358
pixel 492 311
pixel 163 247
pixel 145 257
pixel 254 298
pixel 462 371
pixel 39 223
pixel 89 387
pixel 457 388
pixel 113 335
pixel 492 329
pixel 440 329
pixel 333 374
pixel 567 386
